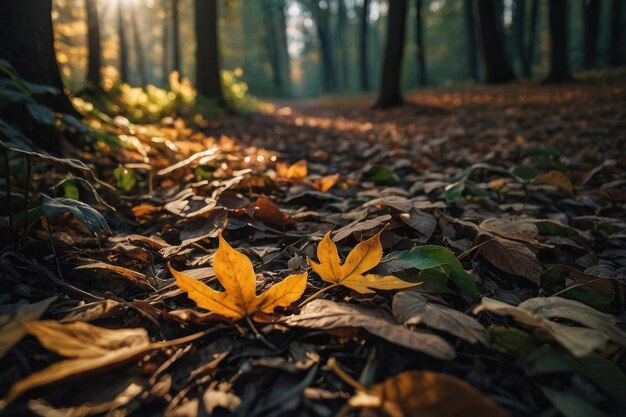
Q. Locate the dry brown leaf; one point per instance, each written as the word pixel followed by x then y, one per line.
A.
pixel 556 178
pixel 296 172
pixel 325 314
pixel 512 257
pixel 12 329
pixel 137 278
pixel 426 394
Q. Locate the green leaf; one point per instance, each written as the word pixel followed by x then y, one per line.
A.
pixel 432 256
pixel 125 178
pixel 571 405
pixel 71 190
pixel 597 292
pixel 524 173
pixel 454 191
pixel 379 174
pixel 85 214
pixel 510 341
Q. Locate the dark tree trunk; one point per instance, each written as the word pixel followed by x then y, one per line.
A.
pixel 615 58
pixel 176 37
pixel 27 43
pixel 321 17
pixel 419 41
pixel 271 43
pixel 342 49
pixel 208 79
pixel 165 45
pixel 530 48
pixel 94 51
pixel 497 66
pixel 363 44
pixel 389 94
pixel 121 34
pixel 139 52
pixel 559 59
pixel 519 35
pixel 283 51
pixel 470 33
pixel 591 18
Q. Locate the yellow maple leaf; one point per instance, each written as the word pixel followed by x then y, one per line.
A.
pixel 365 256
pixel 234 271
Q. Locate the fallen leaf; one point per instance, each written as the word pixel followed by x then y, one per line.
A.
pixel 557 179
pixel 234 271
pixel 296 172
pixel 428 394
pixel 137 278
pixel 365 256
pixel 512 257
pixel 411 308
pixel 325 314
pixel 12 329
pixel 324 184
pixel 580 341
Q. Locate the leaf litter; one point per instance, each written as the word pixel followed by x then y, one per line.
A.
pixel 201 273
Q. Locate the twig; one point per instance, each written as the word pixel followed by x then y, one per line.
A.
pixel 259 336
pixel 317 294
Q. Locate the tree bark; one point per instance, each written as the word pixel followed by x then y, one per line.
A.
pixel 94 51
pixel 390 94
pixel 419 41
pixel 139 51
pixel 519 33
pixel 363 44
pixel 322 24
pixel 559 59
pixel 283 50
pixel 470 33
pixel 342 49
pixel 208 79
pixel 121 35
pixel 530 48
pixel 27 43
pixel 271 43
pixel 176 37
pixel 591 18
pixel 497 66
pixel 615 58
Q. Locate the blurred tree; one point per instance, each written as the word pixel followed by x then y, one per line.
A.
pixel 559 53
pixel 208 81
pixel 530 47
pixel 94 64
pixel 363 45
pixel 121 35
pixel 519 36
pixel 140 56
pixel 470 28
pixel 497 66
pixel 389 93
pixel 175 13
pixel 321 17
pixel 615 54
pixel 27 43
pixel 342 51
pixel 419 42
pixel 591 17
pixel 275 43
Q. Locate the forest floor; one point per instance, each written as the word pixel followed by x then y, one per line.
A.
pixel 500 211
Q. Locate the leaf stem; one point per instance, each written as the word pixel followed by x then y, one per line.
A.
pixel 259 336
pixel 317 294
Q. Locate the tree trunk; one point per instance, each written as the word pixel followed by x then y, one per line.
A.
pixel 559 59
pixel 470 33
pixel 389 94
pixel 283 50
pixel 94 51
pixel 497 66
pixel 121 35
pixel 176 37
pixel 208 79
pixel 419 41
pixel 342 49
pixel 139 52
pixel 615 58
pixel 591 18
pixel 530 48
pixel 519 35
pixel 165 44
pixel 27 43
pixel 363 44
pixel 271 43
pixel 321 17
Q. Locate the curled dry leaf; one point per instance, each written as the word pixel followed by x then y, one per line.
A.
pixel 325 314
pixel 512 257
pixel 137 278
pixel 428 394
pixel 296 172
pixel 234 271
pixel 365 256
pixel 411 307
pixel 556 178
pixel 88 348
pixel 324 184
pixel 580 341
pixel 12 329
